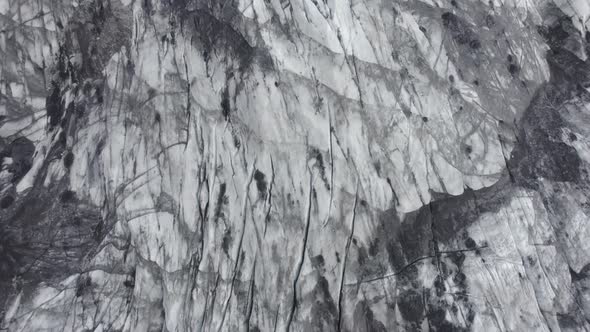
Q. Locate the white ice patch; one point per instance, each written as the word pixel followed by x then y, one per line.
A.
pixel 158 239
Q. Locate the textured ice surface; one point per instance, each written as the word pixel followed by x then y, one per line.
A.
pixel 200 165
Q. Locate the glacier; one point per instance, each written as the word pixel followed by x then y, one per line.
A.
pixel 294 165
